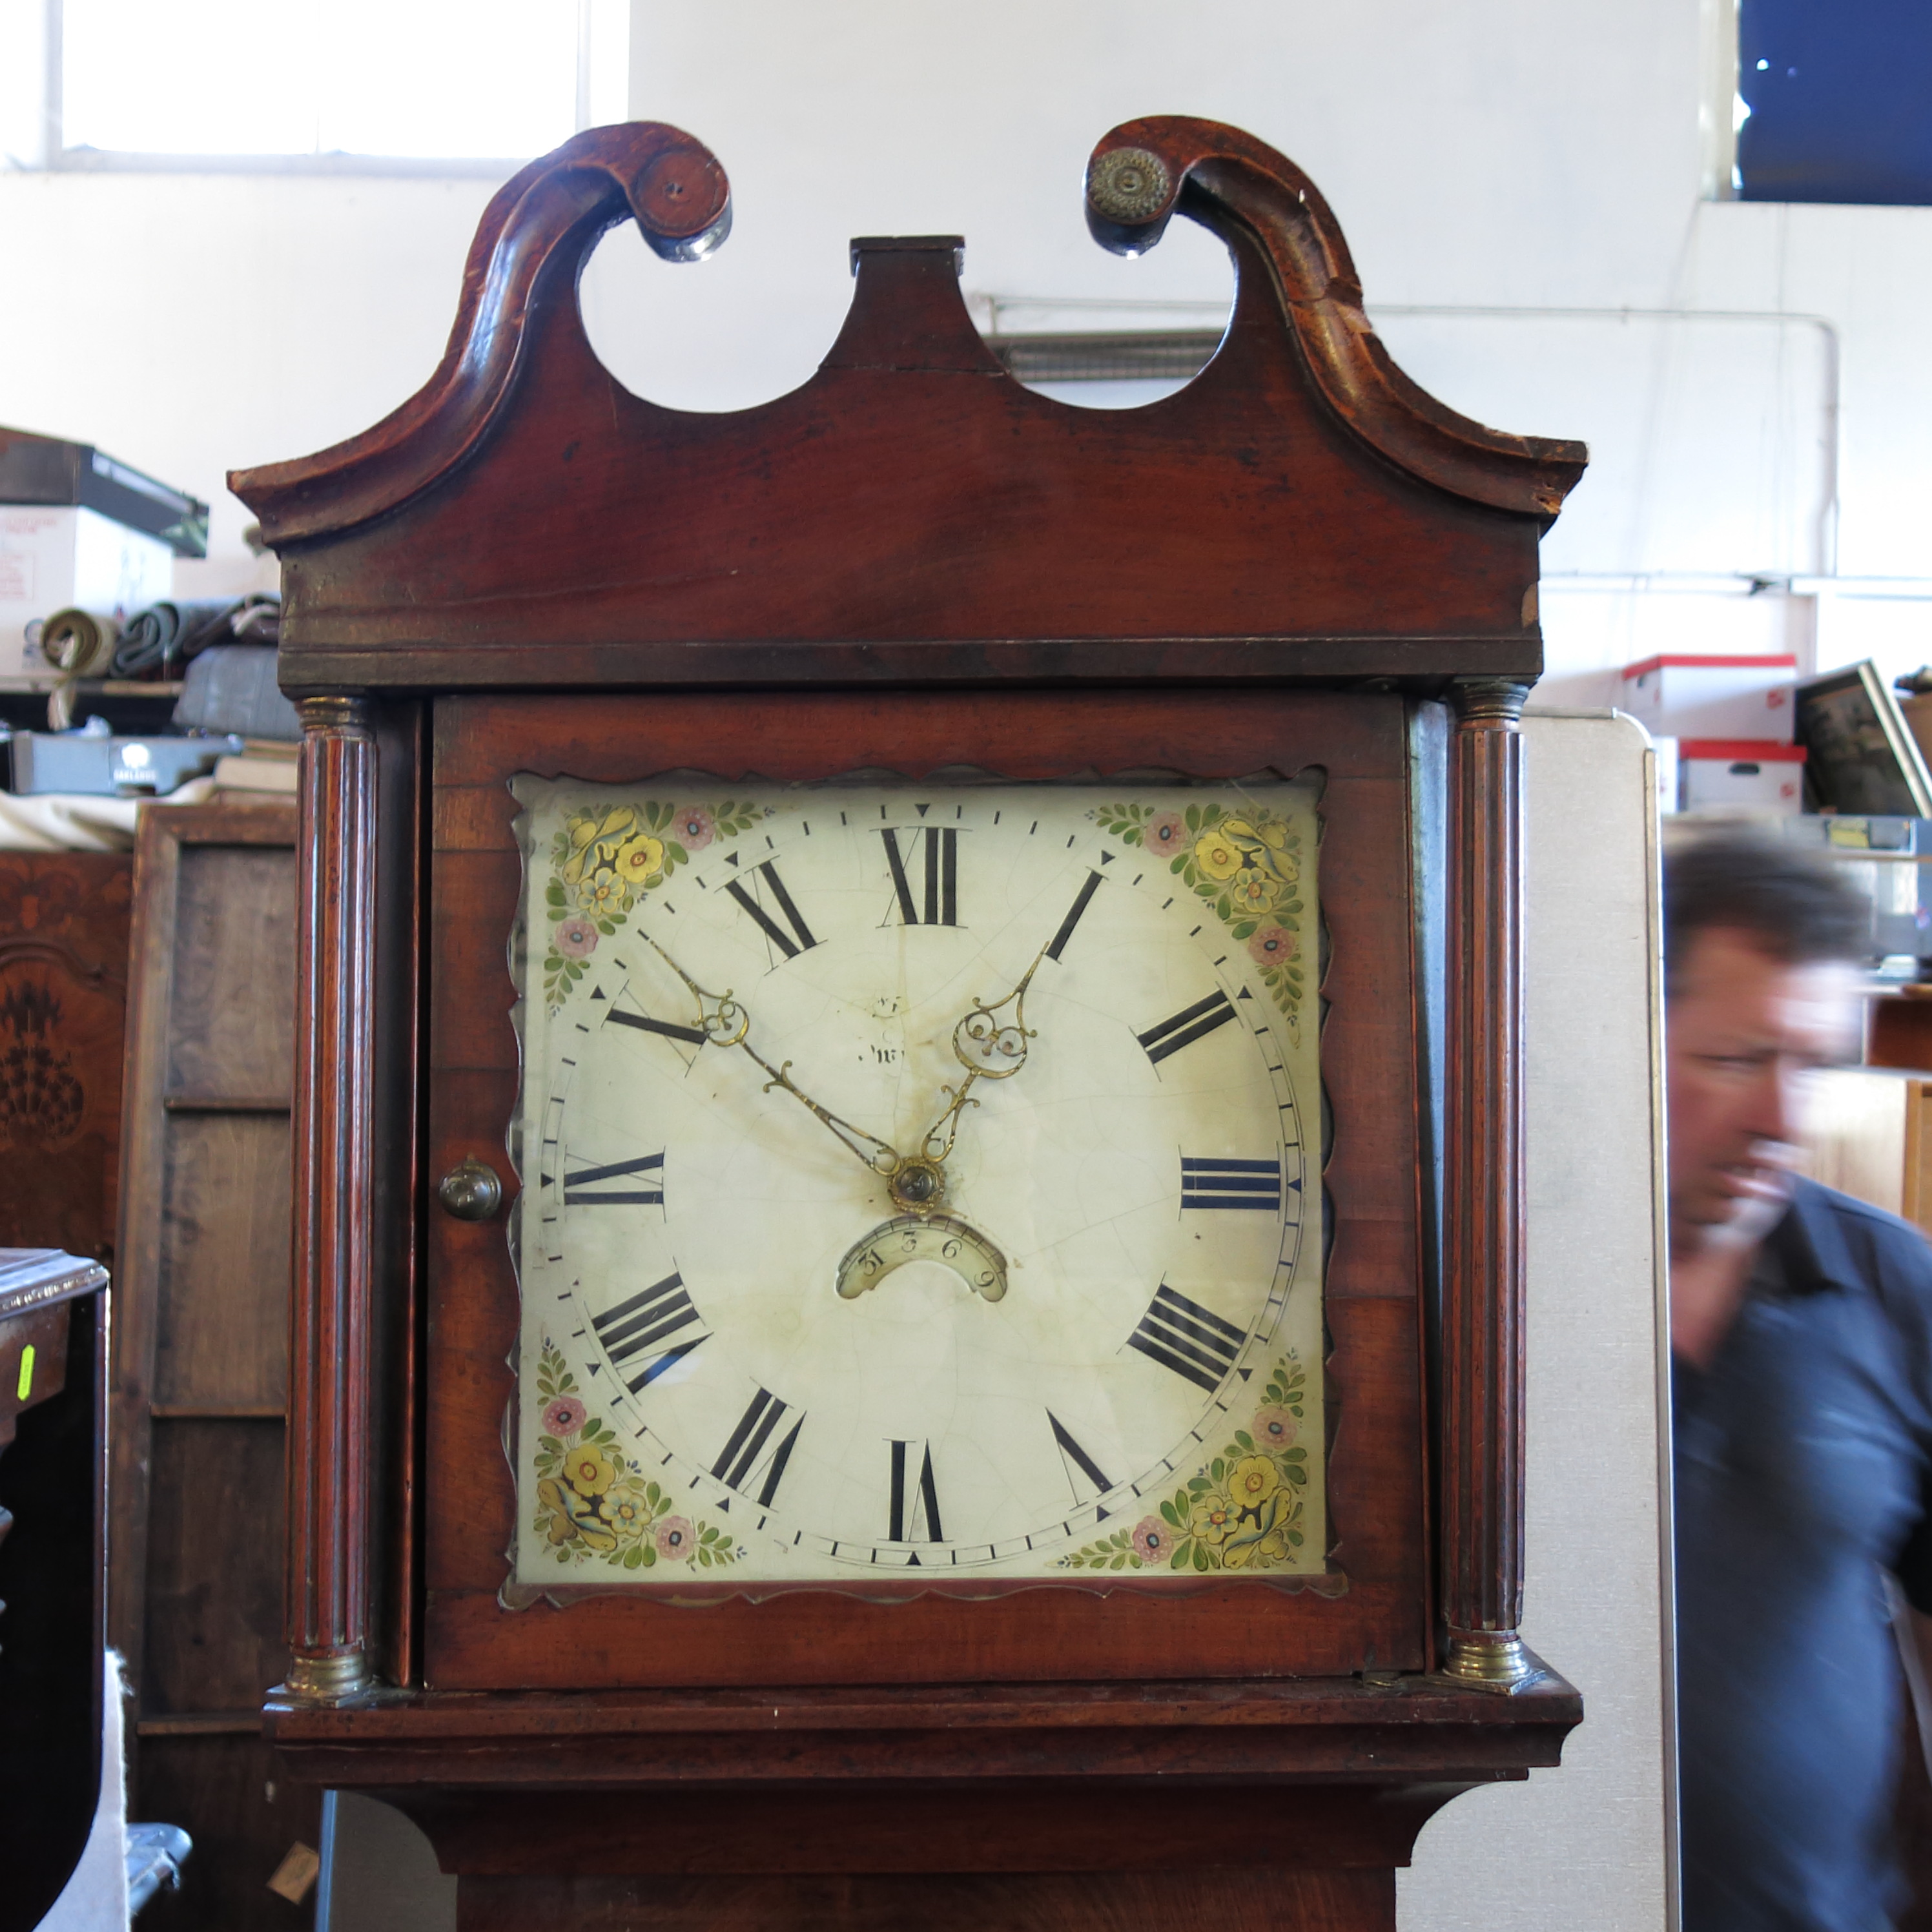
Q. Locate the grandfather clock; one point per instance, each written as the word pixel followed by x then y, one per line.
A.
pixel 908 1194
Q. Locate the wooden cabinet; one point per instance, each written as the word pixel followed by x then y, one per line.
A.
pixel 1870 1134
pixel 201 1348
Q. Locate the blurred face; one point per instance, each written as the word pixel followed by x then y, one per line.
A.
pixel 1745 1032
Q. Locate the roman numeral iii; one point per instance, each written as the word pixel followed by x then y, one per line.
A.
pixel 588 1188
pixel 914 1513
pixel 647 1332
pixel 933 852
pixel 1230 1184
pixel 1193 1341
pixel 1192 1023
pixel 791 943
pixel 746 1455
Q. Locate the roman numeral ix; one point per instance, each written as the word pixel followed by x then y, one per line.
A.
pixel 937 848
pixel 799 939
pixel 581 1190
pixel 645 1330
pixel 1192 1023
pixel 746 1456
pixel 1230 1184
pixel 1193 1341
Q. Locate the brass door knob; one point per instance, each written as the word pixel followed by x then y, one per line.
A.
pixel 470 1190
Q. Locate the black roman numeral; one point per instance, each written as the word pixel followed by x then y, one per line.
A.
pixel 1072 918
pixel 1230 1184
pixel 1191 1340
pixel 746 1455
pixel 646 1329
pixel 939 848
pixel 915 1505
pixel 799 939
pixel 1073 1457
pixel 581 1190
pixel 1195 1022
pixel 645 1024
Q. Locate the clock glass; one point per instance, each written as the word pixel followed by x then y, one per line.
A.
pixel 919 1187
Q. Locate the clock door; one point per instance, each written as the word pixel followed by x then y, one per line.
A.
pixel 954 1223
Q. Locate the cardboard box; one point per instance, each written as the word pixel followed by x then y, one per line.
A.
pixel 52 557
pixel 1748 774
pixel 1725 698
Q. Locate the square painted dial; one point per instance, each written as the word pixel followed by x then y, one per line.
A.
pixel 917 1183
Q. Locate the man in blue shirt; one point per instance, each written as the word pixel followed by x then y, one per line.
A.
pixel 1801 1329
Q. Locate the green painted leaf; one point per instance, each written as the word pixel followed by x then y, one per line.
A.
pixel 1193 818
pixel 1172 1515
pixel 1183 1553
pixel 1200 1556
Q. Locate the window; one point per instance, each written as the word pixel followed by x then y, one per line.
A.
pixel 1833 100
pixel 330 83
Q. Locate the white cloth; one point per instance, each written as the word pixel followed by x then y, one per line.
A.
pixel 57 821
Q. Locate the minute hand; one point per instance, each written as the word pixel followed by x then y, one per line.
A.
pixel 726 1023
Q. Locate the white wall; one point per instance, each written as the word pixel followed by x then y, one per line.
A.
pixel 1503 153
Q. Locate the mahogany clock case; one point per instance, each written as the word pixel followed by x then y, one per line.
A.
pixel 1370 1609
pixel 909 567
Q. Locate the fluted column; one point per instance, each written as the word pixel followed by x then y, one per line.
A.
pixel 329 1463
pixel 1482 1234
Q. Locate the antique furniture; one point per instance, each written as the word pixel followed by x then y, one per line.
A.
pixel 64 919
pixel 53 1468
pixel 200 1377
pixel 811 920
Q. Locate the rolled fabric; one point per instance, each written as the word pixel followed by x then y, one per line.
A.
pixel 78 643
pixel 170 632
pixel 260 623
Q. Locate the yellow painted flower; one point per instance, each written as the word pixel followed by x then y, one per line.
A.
pixel 639 860
pixel 1213 1519
pixel 623 1509
pixel 1216 854
pixel 1255 1480
pixel 603 892
pixel 590 1471
pixel 1255 891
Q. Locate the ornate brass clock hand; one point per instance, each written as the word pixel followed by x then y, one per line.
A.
pixel 726 1023
pixel 989 1049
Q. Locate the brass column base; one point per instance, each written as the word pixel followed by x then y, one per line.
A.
pixel 338 1677
pixel 1491 1660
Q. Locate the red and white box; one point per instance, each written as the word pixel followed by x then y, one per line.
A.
pixel 1727 697
pixel 1747 774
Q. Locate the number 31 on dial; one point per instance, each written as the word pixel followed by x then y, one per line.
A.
pixel 917 1183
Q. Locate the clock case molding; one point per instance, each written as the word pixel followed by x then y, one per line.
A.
pixel 909 565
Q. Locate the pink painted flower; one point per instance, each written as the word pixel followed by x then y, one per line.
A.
pixel 563 1417
pixel 1167 834
pixel 694 827
pixel 575 938
pixel 675 1539
pixel 1274 1428
pixel 1273 946
pixel 1153 1541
